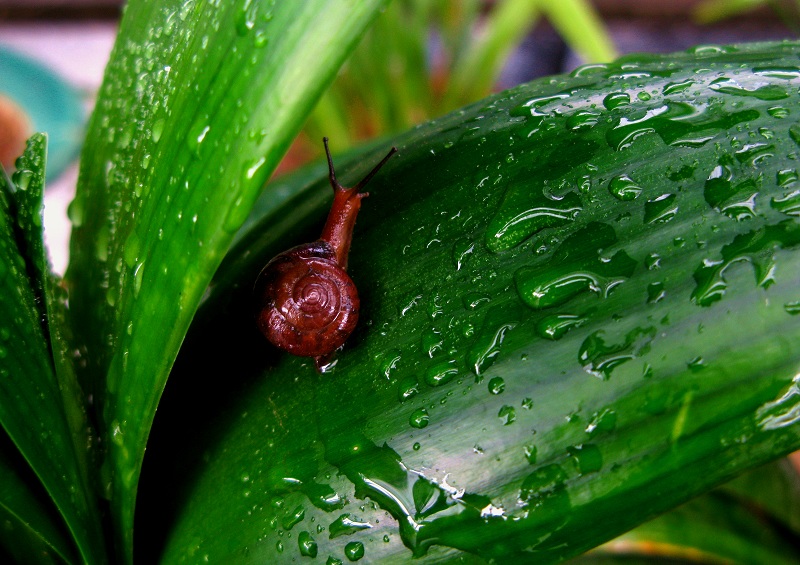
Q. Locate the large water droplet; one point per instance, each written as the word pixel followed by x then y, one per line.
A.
pixel 526 211
pixel 756 247
pixel 344 525
pixel 600 358
pixel 555 326
pixel 660 209
pixel 307 545
pixel 354 550
pixel 587 458
pixel 419 418
pixel 728 85
pixel 623 187
pixel 575 268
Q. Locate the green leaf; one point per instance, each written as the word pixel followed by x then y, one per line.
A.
pixel 720 526
pixel 578 23
pixel 772 491
pixel 575 282
pixel 32 529
pixel 32 409
pixel 198 104
pixel 710 11
pixel 477 70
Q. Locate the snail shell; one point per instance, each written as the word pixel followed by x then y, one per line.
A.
pixel 306 303
pixel 309 304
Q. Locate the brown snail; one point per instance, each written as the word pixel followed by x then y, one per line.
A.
pixel 306 303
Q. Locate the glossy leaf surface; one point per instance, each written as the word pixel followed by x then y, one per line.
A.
pixel 579 309
pixel 32 528
pixel 32 410
pixel 198 104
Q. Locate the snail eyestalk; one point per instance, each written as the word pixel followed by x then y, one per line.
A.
pixel 338 230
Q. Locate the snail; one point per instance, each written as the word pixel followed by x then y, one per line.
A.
pixel 306 303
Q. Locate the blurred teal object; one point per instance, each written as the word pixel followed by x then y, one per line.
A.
pixel 52 106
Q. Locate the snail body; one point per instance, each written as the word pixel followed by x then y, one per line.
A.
pixel 306 303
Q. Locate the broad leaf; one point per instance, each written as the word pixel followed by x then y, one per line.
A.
pixel 579 310
pixel 199 102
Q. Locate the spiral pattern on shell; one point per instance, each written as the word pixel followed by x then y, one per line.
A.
pixel 307 304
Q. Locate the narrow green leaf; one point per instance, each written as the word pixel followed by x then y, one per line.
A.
pixel 773 491
pixel 28 194
pixel 588 285
pixel 32 409
pixel 27 508
pixel 713 528
pixel 477 70
pixel 199 102
pixel 710 11
pixel 578 23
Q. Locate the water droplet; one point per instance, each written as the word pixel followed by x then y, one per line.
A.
pixel 240 209
pixel 463 249
pixel 582 120
pixel 416 446
pixel 525 212
pixel 655 292
pixel 660 209
pixel 643 96
pixel 354 550
pixel 544 487
pixel 251 168
pixel 75 210
pixel 138 275
pixel 474 300
pixel 728 85
pixel 441 373
pixel 132 249
pixel 652 261
pixel 603 421
pixel 158 129
pixel 508 413
pixel 575 268
pixel 587 458
pixel 784 73
pixel 22 178
pixel 419 418
pixel 117 435
pixel 344 525
pixel 709 49
pixel 486 347
pixel 756 247
pixel 496 385
pixel 600 358
pixel 676 87
pixel 407 388
pixel 197 134
pixel 294 517
pixel 624 188
pixel 555 326
pixel 792 308
pixel 307 545
pixel 778 112
pixel 616 99
pixel 431 342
